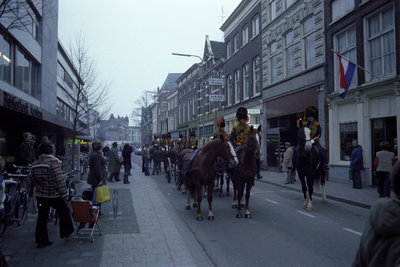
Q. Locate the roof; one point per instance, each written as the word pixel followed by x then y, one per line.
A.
pixel 170 82
pixel 218 49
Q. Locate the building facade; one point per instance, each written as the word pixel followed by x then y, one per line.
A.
pixel 367 34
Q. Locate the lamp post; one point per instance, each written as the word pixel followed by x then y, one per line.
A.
pixel 204 92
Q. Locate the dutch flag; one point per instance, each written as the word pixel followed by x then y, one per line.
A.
pixel 346 74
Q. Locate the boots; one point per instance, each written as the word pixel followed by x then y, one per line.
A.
pixel 126 181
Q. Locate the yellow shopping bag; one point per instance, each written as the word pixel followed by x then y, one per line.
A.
pixel 101 194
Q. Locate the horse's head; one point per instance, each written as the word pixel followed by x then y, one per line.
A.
pixel 254 141
pixel 227 152
pixel 304 136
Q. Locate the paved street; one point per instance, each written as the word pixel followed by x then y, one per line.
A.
pixel 153 229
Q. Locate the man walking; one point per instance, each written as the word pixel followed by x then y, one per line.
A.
pixel 157 158
pixel 356 164
pixel 114 163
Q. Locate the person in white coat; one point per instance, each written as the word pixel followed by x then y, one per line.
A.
pixel 287 161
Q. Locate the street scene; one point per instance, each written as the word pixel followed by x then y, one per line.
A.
pixel 153 228
pixel 199 133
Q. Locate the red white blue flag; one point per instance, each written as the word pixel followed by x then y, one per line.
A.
pixel 346 75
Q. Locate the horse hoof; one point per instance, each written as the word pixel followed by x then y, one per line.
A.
pixel 325 201
pixel 234 206
pixel 200 218
pixel 309 209
pixel 247 216
pixel 211 218
pixel 239 216
pixel 221 195
pixel 187 207
pixel 228 194
pixel 194 205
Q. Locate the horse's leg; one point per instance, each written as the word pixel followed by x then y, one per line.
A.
pixel 198 195
pixel 324 200
pixel 183 189
pixel 209 199
pixel 304 188
pixel 310 184
pixel 228 180
pixel 204 191
pixel 234 204
pixel 221 181
pixel 188 201
pixel 216 183
pixel 240 196
pixel 247 207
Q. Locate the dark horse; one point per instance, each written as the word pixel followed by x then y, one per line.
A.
pixel 244 173
pixel 202 171
pixel 309 166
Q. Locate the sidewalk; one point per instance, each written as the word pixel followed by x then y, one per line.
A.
pixel 146 232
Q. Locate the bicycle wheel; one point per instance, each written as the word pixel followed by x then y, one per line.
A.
pixel 176 177
pixel 21 209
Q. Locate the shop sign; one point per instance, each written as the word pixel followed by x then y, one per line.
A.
pixel 216 81
pixel 216 98
pixel 253 111
pixel 13 103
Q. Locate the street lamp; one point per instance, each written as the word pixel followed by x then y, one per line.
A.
pixel 204 92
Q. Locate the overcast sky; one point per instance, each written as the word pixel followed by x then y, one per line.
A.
pixel 132 40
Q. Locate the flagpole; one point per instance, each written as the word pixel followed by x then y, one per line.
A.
pixel 358 66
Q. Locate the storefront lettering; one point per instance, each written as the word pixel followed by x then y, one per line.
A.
pixel 18 105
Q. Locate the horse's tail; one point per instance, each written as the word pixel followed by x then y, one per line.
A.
pixel 193 191
pixel 317 180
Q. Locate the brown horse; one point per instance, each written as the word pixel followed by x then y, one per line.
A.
pixel 182 167
pixel 202 171
pixel 243 174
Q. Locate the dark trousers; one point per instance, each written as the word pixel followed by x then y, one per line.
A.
pixel 143 162
pixel 384 184
pixel 156 167
pixel 356 175
pixel 116 175
pixel 127 168
pixel 146 167
pixel 66 225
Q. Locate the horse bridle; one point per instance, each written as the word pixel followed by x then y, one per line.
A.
pixel 252 150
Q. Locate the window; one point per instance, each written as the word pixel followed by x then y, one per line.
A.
pixel 190 109
pixel 68 79
pixel 309 43
pixel 246 81
pixel 237 86
pixel 256 75
pixel 381 44
pixel 289 54
pixel 348 132
pixel 245 35
pixel 5 60
pixel 273 62
pixel 229 49
pixel 25 73
pixel 345 44
pixel 230 93
pixel 272 9
pixel 236 43
pixel 255 26
pixel 194 107
pixel 341 8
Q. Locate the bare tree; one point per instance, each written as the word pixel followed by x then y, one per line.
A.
pixel 23 14
pixel 143 102
pixel 89 94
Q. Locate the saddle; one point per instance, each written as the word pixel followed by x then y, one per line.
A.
pixel 189 160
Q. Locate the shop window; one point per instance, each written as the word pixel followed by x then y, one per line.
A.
pixel 5 60
pixel 348 132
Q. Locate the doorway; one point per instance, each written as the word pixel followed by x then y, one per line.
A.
pixel 383 129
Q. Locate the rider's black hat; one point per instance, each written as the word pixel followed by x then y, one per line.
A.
pixel 155 136
pixel 181 136
pixel 169 135
pixel 192 133
pixel 221 123
pixel 241 113
pixel 311 111
pixel 163 136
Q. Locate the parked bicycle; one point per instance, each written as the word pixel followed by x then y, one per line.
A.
pixel 84 163
pixel 16 201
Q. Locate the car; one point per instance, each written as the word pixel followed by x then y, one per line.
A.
pixel 138 151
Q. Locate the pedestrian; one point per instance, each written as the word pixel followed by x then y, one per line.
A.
pixel 380 242
pixel 157 158
pixel 32 145
pixel 143 161
pixel 287 161
pixel 50 191
pixel 97 168
pixel 384 161
pixel 114 163
pixel 172 154
pixel 356 164
pixel 146 157
pixel 106 149
pixel 126 155
pixel 25 152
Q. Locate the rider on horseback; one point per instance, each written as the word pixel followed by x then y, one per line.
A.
pixel 239 135
pixel 221 129
pixel 193 140
pixel 170 142
pixel 163 142
pixel 181 143
pixel 315 128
